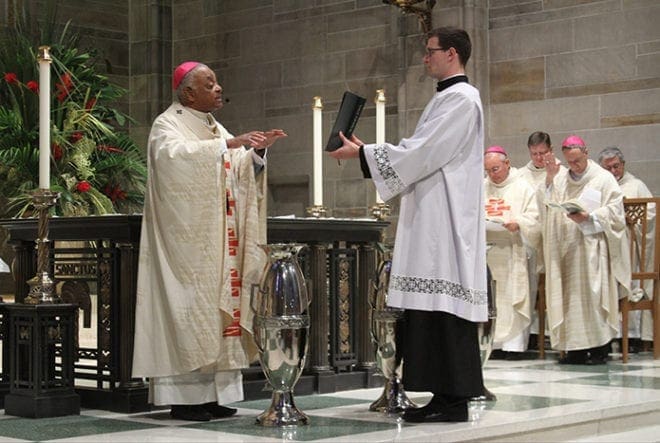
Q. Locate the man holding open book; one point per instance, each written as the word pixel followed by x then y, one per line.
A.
pixel 439 263
pixel 513 231
pixel 586 254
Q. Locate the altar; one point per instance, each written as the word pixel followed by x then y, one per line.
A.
pixel 94 264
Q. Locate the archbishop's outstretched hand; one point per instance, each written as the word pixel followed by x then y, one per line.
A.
pixel 256 139
pixel 271 137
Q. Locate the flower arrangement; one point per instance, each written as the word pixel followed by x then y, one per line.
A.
pixel 95 166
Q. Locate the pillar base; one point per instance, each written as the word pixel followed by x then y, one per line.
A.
pixel 43 406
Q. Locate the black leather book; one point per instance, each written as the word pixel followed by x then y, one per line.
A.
pixel 349 113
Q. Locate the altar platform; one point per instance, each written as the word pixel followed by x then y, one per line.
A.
pixel 538 400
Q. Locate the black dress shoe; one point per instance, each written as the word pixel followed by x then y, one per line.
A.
pixel 574 358
pixel 498 354
pixel 489 395
pixel 436 414
pixel 218 411
pixel 190 413
pixel 420 411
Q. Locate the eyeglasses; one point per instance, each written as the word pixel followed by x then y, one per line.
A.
pixel 430 51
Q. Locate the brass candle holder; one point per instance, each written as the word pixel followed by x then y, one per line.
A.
pixel 380 211
pixel 317 211
pixel 41 285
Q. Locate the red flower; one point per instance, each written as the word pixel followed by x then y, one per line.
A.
pixel 90 103
pixel 33 86
pixel 108 148
pixel 75 137
pixel 83 186
pixel 11 78
pixel 56 151
pixel 115 193
pixel 63 87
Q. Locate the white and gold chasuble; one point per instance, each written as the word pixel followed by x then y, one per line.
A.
pixel 439 258
pixel 203 220
pixel 585 264
pixel 536 178
pixel 511 258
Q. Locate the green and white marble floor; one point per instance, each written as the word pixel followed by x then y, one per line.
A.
pixel 537 400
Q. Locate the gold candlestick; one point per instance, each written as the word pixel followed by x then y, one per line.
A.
pixel 380 211
pixel 41 285
pixel 317 211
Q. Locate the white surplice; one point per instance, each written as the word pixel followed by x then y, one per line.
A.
pixel 511 258
pixel 585 264
pixel 439 258
pixel 640 323
pixel 187 298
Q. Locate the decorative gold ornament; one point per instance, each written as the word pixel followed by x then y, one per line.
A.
pixel 317 211
pixel 380 211
pixel 422 13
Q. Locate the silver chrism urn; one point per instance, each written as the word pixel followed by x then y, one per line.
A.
pixel 281 330
pixel 385 324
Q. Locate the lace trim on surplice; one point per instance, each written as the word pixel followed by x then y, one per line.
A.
pixel 392 180
pixel 438 286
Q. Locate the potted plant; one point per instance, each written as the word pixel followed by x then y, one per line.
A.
pixel 95 166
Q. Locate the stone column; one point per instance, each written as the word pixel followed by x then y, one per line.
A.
pixel 150 64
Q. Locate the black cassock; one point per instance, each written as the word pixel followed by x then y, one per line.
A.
pixel 440 354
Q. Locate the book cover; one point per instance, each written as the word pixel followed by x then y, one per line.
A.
pixel 347 117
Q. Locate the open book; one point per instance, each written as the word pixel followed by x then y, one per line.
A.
pixel 588 202
pixel 349 113
pixel 571 206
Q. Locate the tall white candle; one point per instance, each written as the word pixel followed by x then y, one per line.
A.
pixel 318 152
pixel 44 117
pixel 380 124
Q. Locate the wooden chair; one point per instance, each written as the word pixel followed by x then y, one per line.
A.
pixel 540 311
pixel 645 268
